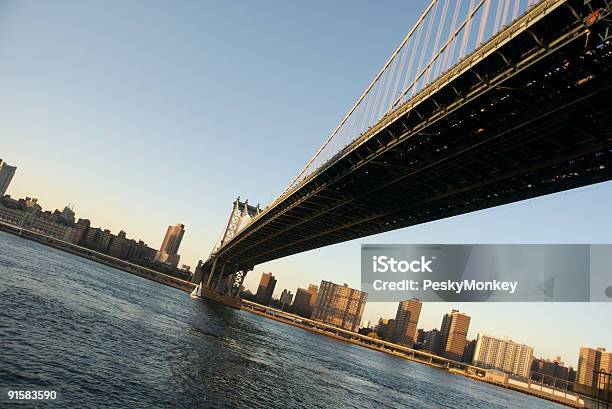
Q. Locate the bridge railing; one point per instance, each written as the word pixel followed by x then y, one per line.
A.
pixel 445 33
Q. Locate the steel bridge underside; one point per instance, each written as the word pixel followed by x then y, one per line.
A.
pixel 528 114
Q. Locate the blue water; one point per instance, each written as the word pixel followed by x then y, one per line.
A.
pixel 101 337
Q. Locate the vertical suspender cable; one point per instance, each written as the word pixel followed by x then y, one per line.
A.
pixel 468 28
pixel 448 57
pixel 437 41
pixel 329 138
pixel 483 22
pixel 426 44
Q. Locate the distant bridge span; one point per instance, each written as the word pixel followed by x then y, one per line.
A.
pixel 523 115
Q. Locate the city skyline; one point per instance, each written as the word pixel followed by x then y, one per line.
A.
pixel 48 172
pixel 471 334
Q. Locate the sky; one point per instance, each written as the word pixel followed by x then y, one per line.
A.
pixel 144 114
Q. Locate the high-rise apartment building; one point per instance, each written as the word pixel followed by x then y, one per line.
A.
pixel 605 365
pixel 6 175
pixel 339 305
pixel 168 252
pixel 266 288
pixel 286 297
pixel 305 300
pixel 452 336
pixel 468 352
pixel 503 354
pixel 431 340
pixel 406 320
pixel 551 371
pixel 593 360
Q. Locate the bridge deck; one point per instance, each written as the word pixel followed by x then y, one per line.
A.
pixel 525 115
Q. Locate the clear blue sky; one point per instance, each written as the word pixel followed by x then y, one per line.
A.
pixel 147 113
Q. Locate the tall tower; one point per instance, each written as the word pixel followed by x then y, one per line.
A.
pixel 453 333
pixel 168 252
pixel 591 360
pixel 6 175
pixel 266 288
pixel 406 320
pixel 339 305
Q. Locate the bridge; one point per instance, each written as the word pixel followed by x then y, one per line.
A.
pixel 483 103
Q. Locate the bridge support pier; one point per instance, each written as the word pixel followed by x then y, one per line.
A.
pixel 220 278
pixel 212 273
pixel 232 279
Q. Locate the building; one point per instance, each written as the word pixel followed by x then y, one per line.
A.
pixel 6 175
pixel 593 360
pixel 67 216
pixel 286 298
pixel 503 354
pixel 50 228
pixel 266 288
pixel 551 371
pixel 605 365
pixel 431 339
pixel 168 252
pixel 382 327
pixel 305 300
pixel 119 246
pixel 453 333
pixel 104 240
pixel 468 352
pixel 406 320
pixel 11 216
pixel 80 229
pixel 139 251
pixel 91 237
pixel 339 305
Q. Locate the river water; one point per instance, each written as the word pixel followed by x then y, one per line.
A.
pixel 101 337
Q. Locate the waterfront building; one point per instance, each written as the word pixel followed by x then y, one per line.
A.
pixel 305 300
pixel 139 251
pixel 266 288
pixel 453 333
pixel 593 360
pixel 104 240
pixel 339 305
pixel 406 320
pixel 381 327
pixel 551 371
pixel 168 252
pixel 468 352
pixel 431 340
pixel 118 246
pixel 11 216
pixel 67 216
pixel 50 228
pixel 503 354
pixel 388 332
pixel 91 237
pixel 6 175
pixel 30 204
pixel 286 298
pixel 605 365
pixel 80 229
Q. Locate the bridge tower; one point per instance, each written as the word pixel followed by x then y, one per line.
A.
pixel 220 279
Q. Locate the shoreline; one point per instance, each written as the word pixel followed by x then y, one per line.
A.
pixel 457 368
pixel 408 354
pixel 97 257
